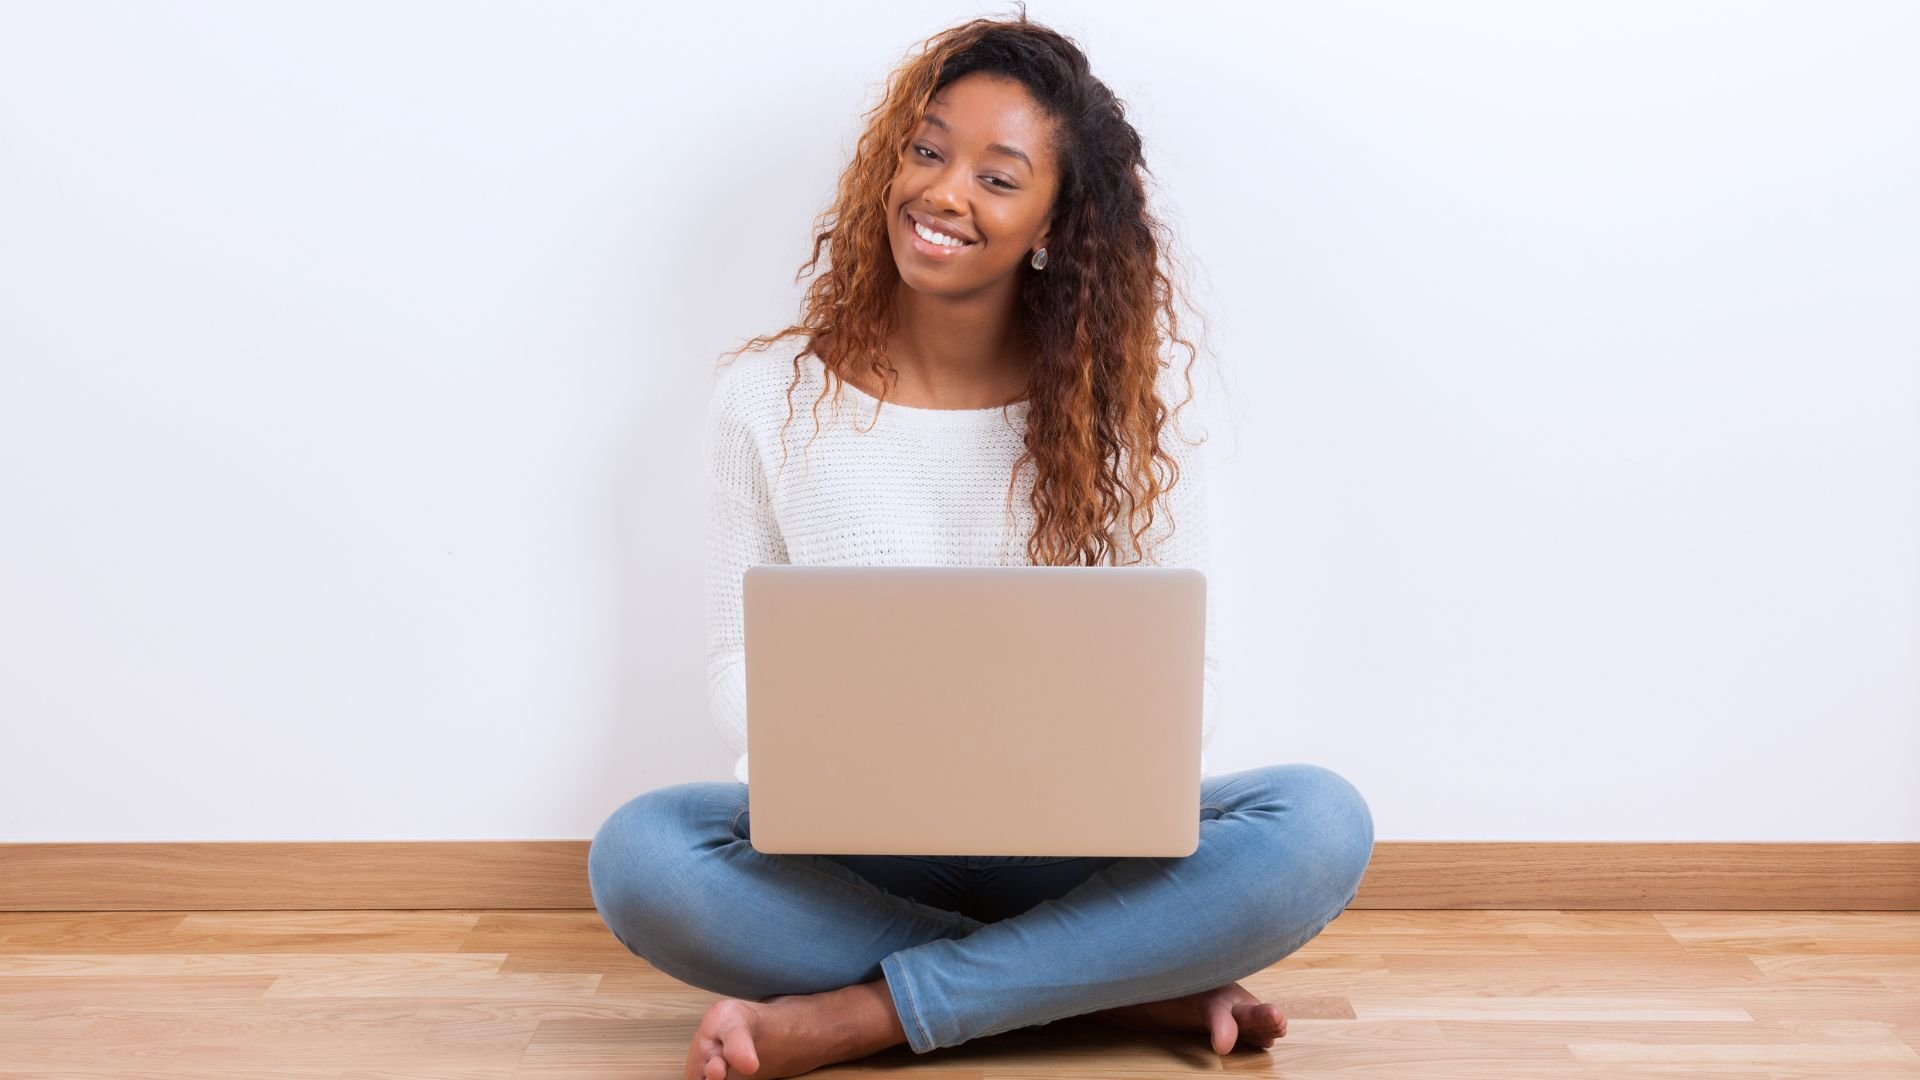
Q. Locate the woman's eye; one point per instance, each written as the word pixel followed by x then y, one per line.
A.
pixel 997 182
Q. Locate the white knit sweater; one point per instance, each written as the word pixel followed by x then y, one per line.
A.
pixel 921 487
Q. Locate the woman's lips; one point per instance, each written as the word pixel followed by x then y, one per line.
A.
pixel 933 251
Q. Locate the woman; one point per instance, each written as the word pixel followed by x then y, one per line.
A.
pixel 993 301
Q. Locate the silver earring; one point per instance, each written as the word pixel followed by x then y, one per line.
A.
pixel 1040 259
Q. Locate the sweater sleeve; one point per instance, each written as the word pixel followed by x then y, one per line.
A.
pixel 742 531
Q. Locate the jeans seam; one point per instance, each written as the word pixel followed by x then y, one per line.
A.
pixel 913 1001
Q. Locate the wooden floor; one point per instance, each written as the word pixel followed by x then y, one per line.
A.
pixel 463 995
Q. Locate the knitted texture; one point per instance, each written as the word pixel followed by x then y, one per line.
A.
pixel 885 484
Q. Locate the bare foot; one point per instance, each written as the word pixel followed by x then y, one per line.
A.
pixel 782 1036
pixel 1230 1014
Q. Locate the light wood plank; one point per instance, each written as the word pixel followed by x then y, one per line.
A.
pixel 511 995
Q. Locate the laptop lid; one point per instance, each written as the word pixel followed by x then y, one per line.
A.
pixel 975 710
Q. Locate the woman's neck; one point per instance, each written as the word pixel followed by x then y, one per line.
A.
pixel 957 354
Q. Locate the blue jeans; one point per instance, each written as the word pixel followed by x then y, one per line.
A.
pixel 978 945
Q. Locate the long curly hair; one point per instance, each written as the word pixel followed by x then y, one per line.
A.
pixel 1096 313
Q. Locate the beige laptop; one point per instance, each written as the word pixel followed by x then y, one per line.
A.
pixel 975 710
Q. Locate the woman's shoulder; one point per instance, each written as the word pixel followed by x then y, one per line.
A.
pixel 757 380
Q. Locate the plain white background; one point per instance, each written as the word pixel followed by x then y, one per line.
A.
pixel 1566 408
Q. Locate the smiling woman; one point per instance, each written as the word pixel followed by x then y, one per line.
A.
pixel 991 242
pixel 998 296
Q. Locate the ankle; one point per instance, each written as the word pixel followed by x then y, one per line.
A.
pixel 875 1022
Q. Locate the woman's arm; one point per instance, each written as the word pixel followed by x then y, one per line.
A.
pixel 741 532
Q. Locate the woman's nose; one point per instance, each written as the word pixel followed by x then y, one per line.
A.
pixel 943 193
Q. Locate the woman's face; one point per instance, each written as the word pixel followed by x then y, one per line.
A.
pixel 979 168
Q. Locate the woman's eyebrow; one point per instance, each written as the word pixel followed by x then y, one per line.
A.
pixel 998 148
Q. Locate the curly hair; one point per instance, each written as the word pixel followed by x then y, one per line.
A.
pixel 1095 413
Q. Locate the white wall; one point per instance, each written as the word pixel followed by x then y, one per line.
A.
pixel 352 360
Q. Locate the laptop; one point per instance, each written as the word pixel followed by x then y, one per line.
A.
pixel 975 710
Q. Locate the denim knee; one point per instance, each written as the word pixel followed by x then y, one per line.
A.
pixel 641 863
pixel 1330 829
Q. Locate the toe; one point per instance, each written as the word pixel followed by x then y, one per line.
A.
pixel 746 1059
pixel 1225 1032
pixel 1259 1023
pixel 699 1053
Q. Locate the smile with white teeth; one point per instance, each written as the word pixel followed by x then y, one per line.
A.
pixel 932 237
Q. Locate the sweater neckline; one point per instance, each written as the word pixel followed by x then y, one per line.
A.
pixel 923 417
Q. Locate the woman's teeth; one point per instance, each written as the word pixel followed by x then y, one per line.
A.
pixel 942 239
